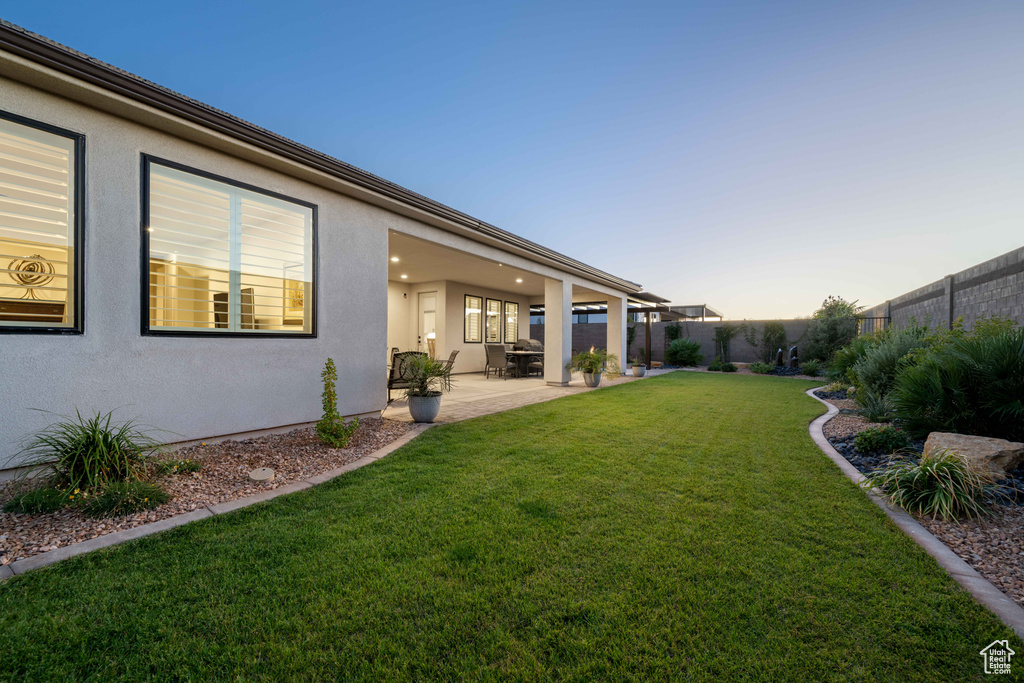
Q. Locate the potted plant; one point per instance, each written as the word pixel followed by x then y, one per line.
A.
pixel 428 378
pixel 640 365
pixel 592 363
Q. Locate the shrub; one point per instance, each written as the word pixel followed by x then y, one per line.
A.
pixel 673 331
pixel 762 368
pixel 684 352
pixel 723 337
pixel 86 453
pixel 974 384
pixel 38 500
pixel 729 367
pixel 178 466
pixel 811 368
pixel 833 387
pixel 716 365
pixel 873 407
pixel 886 439
pixel 833 327
pixel 941 485
pixel 331 428
pixel 124 498
pixel 876 370
pixel 843 360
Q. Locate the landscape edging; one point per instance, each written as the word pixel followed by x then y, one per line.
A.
pixel 983 590
pixel 19 567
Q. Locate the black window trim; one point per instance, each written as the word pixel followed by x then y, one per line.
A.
pixel 504 319
pixel 147 160
pixel 77 232
pixel 465 320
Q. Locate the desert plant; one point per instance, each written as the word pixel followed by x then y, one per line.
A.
pixel 876 370
pixel 673 331
pixel 729 367
pixel 811 368
pixel 630 336
pixel 716 365
pixel 47 499
pixel 942 484
pixel 873 407
pixel 762 368
pixel 974 384
pixel 836 386
pixel 427 376
pixel 887 439
pixel 332 428
pixel 124 498
pixel 84 453
pixel 684 353
pixel 833 326
pixel 593 362
pixel 723 337
pixel 186 466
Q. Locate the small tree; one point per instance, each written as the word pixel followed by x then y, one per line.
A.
pixel 833 326
pixel 672 332
pixel 723 335
pixel 630 337
pixel 331 428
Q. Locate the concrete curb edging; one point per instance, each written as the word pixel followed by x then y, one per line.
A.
pixel 1004 607
pixel 41 560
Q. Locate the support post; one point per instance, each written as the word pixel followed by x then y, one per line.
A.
pixel 616 327
pixel 647 318
pixel 557 331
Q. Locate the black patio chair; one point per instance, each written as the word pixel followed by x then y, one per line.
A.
pixel 448 365
pixel 398 376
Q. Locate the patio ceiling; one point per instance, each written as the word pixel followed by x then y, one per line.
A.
pixel 423 261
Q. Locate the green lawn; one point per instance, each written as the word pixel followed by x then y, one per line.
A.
pixel 684 528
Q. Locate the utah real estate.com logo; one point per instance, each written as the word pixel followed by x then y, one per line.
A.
pixel 997 657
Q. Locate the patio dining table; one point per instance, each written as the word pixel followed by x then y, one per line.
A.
pixel 522 359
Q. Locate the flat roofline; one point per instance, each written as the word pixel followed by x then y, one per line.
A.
pixel 66 60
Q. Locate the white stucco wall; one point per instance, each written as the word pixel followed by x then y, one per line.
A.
pixel 193 387
pixel 196 387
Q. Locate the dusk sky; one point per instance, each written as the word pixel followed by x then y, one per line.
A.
pixel 756 157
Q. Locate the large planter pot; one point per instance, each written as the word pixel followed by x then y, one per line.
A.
pixel 639 370
pixel 425 408
pixel 592 379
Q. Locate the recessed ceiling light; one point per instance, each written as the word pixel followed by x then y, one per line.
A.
pixel 405 277
pixel 395 259
pixel 519 279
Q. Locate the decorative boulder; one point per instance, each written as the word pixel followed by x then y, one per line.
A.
pixel 997 455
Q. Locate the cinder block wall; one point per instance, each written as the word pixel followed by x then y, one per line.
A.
pixel 992 288
pixel 585 335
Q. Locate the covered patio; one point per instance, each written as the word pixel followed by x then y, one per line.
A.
pixel 473 395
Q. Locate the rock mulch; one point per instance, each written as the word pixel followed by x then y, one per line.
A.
pixel 993 545
pixel 293 456
pixel 744 371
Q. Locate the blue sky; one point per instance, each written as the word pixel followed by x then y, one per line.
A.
pixel 756 157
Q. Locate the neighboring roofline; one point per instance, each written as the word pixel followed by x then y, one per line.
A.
pixel 49 53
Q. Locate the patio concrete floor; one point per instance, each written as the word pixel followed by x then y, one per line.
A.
pixel 473 395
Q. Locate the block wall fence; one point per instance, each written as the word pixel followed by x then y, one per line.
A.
pixel 585 335
pixel 992 288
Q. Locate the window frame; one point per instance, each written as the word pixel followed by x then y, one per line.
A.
pixel 145 330
pixel 498 316
pixel 465 320
pixel 504 318
pixel 76 232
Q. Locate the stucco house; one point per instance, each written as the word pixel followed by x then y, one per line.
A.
pixel 164 257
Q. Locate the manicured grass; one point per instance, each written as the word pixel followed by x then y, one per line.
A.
pixel 680 528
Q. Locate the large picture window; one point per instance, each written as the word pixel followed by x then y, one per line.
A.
pixel 493 330
pixel 41 176
pixel 224 258
pixel 511 322
pixel 473 326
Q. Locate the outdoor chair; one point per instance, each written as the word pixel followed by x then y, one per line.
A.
pixel 497 361
pixel 448 365
pixel 398 375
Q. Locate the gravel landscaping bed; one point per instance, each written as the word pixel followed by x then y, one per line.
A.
pixel 993 546
pixel 297 455
pixel 746 371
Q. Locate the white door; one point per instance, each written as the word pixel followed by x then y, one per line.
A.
pixel 427 333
